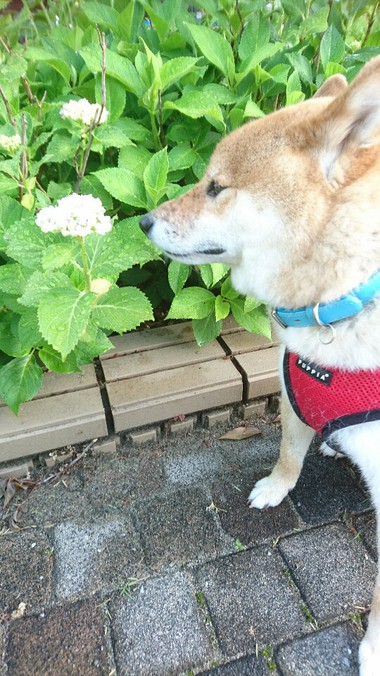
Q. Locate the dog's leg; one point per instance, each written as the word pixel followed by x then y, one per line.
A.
pixel 369 653
pixel 296 438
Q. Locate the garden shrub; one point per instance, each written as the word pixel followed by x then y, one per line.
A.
pixel 170 79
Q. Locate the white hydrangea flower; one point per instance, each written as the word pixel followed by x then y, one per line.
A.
pixel 10 143
pixel 83 111
pixel 75 216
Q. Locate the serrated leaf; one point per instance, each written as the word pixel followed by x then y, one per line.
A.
pixel 195 104
pixel 206 329
pixel 192 303
pixel 255 35
pixel 13 278
pixel 118 67
pixel 99 13
pixel 28 329
pixel 155 175
pixel 181 156
pixel 27 243
pixel 39 283
pixel 205 271
pixel 54 362
pixel 10 212
pixel 222 308
pixel 10 342
pixel 256 321
pixel 58 255
pixel 214 47
pixel 178 274
pixel 253 110
pixel 87 350
pixel 316 22
pixel 61 148
pixel 63 315
pixel 172 71
pixel 123 185
pixel 302 66
pixel 122 309
pixel 20 380
pixel 332 47
pixel 111 136
pixel 38 54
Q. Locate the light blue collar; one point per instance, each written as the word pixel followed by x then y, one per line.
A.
pixel 324 314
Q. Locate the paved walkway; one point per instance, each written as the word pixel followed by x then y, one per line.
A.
pixel 148 562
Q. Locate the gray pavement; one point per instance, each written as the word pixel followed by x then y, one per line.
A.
pixel 148 562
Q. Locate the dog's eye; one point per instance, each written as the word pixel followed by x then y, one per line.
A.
pixel 214 188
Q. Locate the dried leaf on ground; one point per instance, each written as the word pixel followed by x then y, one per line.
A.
pixel 241 433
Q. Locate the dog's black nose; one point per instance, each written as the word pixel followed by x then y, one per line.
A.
pixel 146 222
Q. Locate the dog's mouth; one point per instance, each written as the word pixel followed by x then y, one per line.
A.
pixel 212 251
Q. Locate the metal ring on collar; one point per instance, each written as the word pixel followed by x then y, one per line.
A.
pixel 330 336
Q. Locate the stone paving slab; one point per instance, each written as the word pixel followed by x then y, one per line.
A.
pixel 330 652
pixel 26 559
pixel 246 666
pixel 159 631
pixel 61 641
pixel 332 556
pixel 94 557
pixel 179 527
pixel 326 489
pixel 250 600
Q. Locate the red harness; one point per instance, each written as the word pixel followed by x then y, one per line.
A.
pixel 329 399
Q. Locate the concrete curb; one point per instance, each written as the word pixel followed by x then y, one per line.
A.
pixel 148 377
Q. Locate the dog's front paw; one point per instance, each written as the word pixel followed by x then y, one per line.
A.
pixel 268 492
pixel 369 658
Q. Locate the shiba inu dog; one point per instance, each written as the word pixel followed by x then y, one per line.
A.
pixel 292 203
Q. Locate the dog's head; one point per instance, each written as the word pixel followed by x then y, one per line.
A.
pixel 273 186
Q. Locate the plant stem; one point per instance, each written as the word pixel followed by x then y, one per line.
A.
pixel 86 270
pixel 370 24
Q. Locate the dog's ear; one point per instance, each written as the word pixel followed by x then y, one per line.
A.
pixel 333 86
pixel 351 121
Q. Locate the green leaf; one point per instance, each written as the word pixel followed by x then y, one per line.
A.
pixel 10 342
pixel 172 71
pixel 302 66
pixel 316 22
pixel 253 110
pixel 192 303
pixel 58 255
pixel 10 212
pixel 123 185
pixel 227 290
pixel 118 67
pixel 87 350
pixel 222 308
pixel 61 148
pixel 178 274
pixel 206 274
pixel 20 380
pixel 155 175
pixel 332 47
pixel 206 329
pixel 13 278
pixel 215 48
pixel 122 309
pixel 256 35
pixel 38 54
pixel 195 104
pixel 63 315
pixel 28 329
pixel 262 53
pixel 40 283
pixel 27 243
pixel 54 362
pixel 99 13
pixel 294 93
pixel 181 156
pixel 111 136
pixel 255 321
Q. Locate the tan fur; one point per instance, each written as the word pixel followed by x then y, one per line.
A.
pixel 298 221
